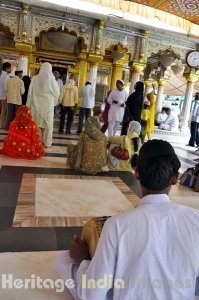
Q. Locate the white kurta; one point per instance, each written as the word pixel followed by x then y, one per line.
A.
pixel 171 123
pixel 116 112
pixel 152 252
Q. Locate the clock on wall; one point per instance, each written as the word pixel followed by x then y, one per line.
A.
pixel 193 59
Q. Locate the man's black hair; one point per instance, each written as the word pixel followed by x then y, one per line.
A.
pixel 157 164
pixel 164 108
pixel 6 65
pixel 167 109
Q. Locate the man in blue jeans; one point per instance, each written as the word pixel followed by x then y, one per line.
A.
pixel 88 102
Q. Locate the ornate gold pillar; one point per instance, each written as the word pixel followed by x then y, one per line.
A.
pixel 148 86
pixel 136 70
pixel 185 114
pixel 117 71
pixel 100 36
pixel 24 35
pixel 83 70
pixel 161 84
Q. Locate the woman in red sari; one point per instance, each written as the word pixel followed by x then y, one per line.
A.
pixel 23 140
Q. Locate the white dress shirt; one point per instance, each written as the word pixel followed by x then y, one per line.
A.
pixel 116 112
pixel 88 96
pixel 152 253
pixel 4 77
pixel 160 118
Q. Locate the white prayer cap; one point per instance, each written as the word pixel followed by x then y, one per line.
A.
pixel 146 102
pixel 18 70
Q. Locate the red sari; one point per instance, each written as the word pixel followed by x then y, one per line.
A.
pixel 23 140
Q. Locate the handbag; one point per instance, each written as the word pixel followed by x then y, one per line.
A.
pixel 188 178
pixel 120 153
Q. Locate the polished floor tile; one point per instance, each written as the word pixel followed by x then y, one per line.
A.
pixel 65 205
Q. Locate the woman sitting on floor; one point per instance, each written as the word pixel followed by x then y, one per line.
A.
pixel 23 140
pixel 90 154
pixel 131 143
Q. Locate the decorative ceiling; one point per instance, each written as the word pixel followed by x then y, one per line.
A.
pixel 187 9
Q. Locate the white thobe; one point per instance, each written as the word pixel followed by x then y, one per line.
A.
pixel 160 118
pixel 171 123
pixel 151 252
pixel 116 112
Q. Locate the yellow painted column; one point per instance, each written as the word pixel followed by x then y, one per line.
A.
pixel 117 74
pixel 117 71
pixel 83 74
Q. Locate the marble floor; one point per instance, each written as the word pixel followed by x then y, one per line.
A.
pixel 43 204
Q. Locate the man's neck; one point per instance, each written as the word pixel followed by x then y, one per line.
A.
pixel 147 192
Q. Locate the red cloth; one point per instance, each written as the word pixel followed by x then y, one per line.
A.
pixel 106 110
pixel 23 140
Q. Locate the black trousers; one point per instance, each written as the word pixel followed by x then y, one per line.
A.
pixel 194 134
pixel 69 110
pixel 84 114
pixel 12 110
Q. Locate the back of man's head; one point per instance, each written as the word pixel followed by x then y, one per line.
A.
pixel 6 66
pixel 157 164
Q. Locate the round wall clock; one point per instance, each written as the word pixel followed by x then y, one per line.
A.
pixel 193 59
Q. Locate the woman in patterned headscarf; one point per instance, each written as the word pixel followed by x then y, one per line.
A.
pixel 130 142
pixel 90 154
pixel 42 97
pixel 23 140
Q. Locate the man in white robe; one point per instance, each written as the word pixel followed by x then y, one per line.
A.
pixel 171 123
pixel 42 97
pixel 148 253
pixel 117 99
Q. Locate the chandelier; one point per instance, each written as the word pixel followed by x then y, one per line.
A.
pixel 167 57
pixel 61 39
pixel 118 52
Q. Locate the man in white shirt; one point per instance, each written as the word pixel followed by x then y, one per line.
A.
pixel 171 123
pixel 15 89
pixel 117 99
pixel 149 252
pixel 195 123
pixel 161 116
pixel 58 80
pixel 3 94
pixel 88 102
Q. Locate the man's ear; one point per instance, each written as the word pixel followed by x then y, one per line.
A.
pixel 174 178
pixel 137 175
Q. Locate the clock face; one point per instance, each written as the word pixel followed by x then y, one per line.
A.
pixel 193 59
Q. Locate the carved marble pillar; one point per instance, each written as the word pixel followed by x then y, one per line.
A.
pixel 94 60
pixel 23 64
pixel 185 114
pixel 92 77
pixel 161 84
